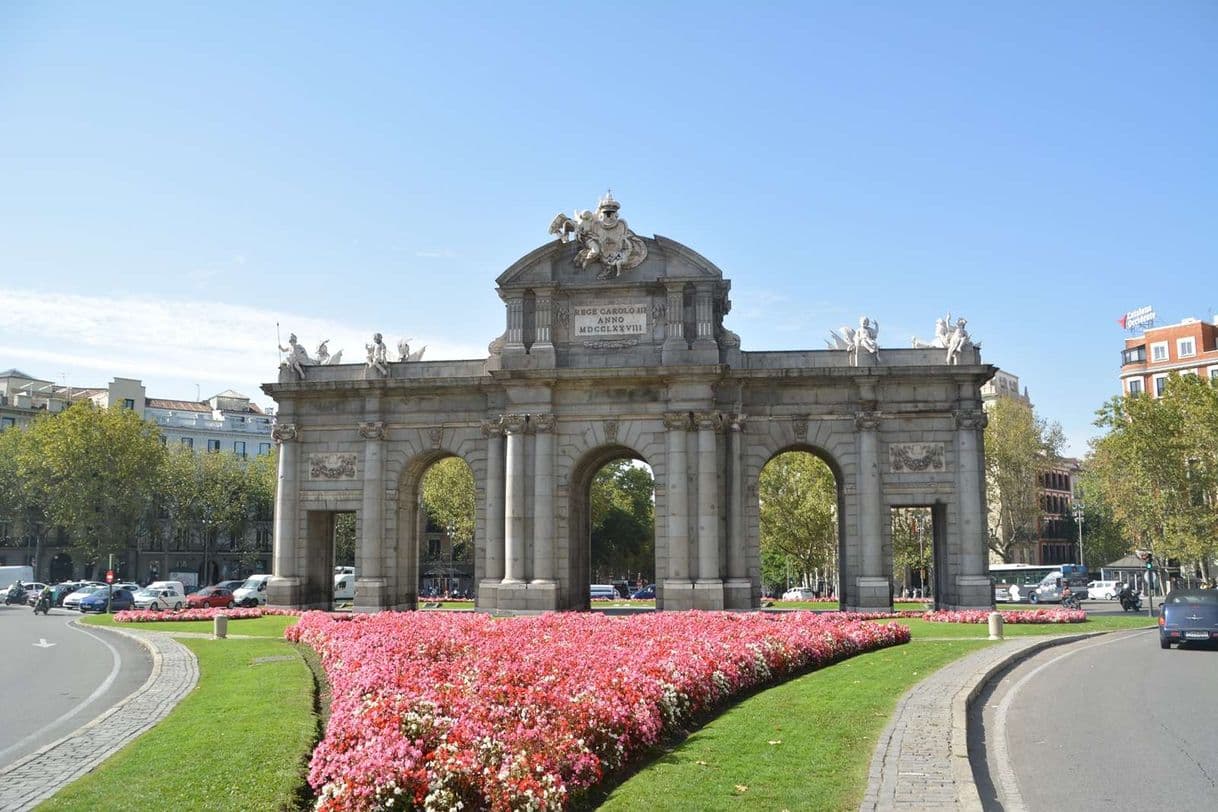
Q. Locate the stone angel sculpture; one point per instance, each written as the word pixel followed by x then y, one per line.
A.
pixel 942 334
pixel 404 353
pixel 865 338
pixel 298 357
pixel 323 354
pixel 958 342
pixel 378 360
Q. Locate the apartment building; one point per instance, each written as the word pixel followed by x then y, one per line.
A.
pixel 1189 347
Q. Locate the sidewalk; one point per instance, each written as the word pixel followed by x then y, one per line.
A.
pixel 40 775
pixel 921 760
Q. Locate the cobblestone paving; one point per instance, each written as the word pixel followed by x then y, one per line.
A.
pixel 40 775
pixel 921 760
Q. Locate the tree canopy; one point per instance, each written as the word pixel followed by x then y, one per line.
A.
pixel 623 521
pixel 1019 448
pixel 798 496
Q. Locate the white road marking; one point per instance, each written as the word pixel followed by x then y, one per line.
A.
pixel 1009 795
pixel 101 689
pixel 42 643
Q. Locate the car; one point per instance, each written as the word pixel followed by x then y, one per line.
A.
pixel 647 593
pixel 1103 590
pixel 116 600
pixel 252 591
pixel 214 596
pixel 31 591
pixel 130 586
pixel 602 592
pixel 61 591
pixel 159 599
pixel 799 593
pixel 73 600
pixel 1188 616
pixel 231 586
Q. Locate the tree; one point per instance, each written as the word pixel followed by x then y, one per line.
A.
pixel 1019 448
pixel 798 497
pixel 1157 469
pixel 448 498
pixel 94 471
pixel 623 520
pixel 912 546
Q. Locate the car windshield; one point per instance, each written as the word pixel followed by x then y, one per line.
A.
pixel 252 583
pixel 146 593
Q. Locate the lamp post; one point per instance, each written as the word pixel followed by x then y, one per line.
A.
pixel 1078 519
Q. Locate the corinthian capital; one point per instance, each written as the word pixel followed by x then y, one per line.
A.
pixel 282 432
pixel 374 430
pixel 709 420
pixel 676 421
pixel 974 419
pixel 544 422
pixel 514 423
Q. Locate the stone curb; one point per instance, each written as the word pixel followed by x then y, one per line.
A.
pixel 41 774
pixel 919 736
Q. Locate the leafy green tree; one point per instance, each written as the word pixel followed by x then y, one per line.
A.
pixel 95 472
pixel 912 546
pixel 623 521
pixel 448 498
pixel 1019 448
pixel 344 539
pixel 798 498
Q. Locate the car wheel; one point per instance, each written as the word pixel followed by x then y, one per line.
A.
pixel 1164 643
pixel 1033 599
pixel 177 607
pixel 230 605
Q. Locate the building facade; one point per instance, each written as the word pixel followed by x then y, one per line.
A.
pixel 227 422
pixel 1187 348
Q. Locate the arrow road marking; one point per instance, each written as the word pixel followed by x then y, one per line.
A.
pixel 42 643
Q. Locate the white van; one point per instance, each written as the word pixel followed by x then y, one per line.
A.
pixel 253 588
pixel 344 584
pixel 600 592
pixel 176 586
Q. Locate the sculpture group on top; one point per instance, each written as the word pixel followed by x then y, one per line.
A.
pixel 378 361
pixel 864 340
pixel 603 237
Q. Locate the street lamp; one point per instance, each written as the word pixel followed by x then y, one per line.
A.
pixel 1078 519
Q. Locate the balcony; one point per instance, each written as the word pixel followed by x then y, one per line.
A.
pixel 1134 355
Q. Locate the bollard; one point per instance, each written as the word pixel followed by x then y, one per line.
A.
pixel 220 627
pixel 995 626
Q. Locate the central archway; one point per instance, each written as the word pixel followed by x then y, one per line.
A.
pixel 800 504
pixel 580 564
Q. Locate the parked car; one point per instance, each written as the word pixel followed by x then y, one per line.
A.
pixel 119 599
pixel 159 599
pixel 252 592
pixel 73 600
pixel 32 590
pixel 1103 590
pixel 231 586
pixel 130 586
pixel 1188 616
pixel 211 596
pixel 602 592
pixel 647 593
pixel 61 591
pixel 799 593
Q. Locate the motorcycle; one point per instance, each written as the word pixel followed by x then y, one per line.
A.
pixel 15 595
pixel 1130 602
pixel 43 604
pixel 1072 602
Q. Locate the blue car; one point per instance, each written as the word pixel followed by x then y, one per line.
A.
pixel 646 593
pixel 1189 616
pixel 121 599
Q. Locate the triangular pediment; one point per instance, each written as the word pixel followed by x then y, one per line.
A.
pixel 555 264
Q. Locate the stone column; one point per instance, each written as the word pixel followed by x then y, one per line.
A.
pixel 708 588
pixel 674 324
pixel 738 588
pixel 705 315
pixel 284 587
pixel 370 575
pixel 677 583
pixel 514 491
pixel 543 500
pixel 872 583
pixel 514 337
pixel 492 430
pixel 971 580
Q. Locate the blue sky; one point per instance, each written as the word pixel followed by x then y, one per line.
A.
pixel 177 178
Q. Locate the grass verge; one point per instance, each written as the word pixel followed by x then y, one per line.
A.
pixel 270 626
pixel 804 744
pixel 923 629
pixel 240 740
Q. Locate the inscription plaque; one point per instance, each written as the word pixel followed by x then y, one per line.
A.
pixel 610 319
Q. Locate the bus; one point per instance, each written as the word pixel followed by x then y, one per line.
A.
pixel 1017 583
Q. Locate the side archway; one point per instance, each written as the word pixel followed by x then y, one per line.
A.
pixel 434 553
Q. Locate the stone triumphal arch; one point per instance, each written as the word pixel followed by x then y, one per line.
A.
pixel 615 346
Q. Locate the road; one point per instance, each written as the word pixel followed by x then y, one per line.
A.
pixel 55 677
pixel 1114 722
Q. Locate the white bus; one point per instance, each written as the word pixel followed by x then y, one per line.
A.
pixel 1017 583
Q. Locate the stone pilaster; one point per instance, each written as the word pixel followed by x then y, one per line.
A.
pixel 371 592
pixel 972 586
pixel 709 585
pixel 492 430
pixel 738 589
pixel 514 337
pixel 284 589
pixel 514 492
pixel 872 583
pixel 678 586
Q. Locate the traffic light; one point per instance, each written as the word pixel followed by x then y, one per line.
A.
pixel 1150 561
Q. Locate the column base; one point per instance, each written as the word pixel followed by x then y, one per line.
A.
pixel 371 594
pixel 972 592
pixel 874 594
pixel 675 596
pixel 738 594
pixel 283 592
pixel 518 596
pixel 708 595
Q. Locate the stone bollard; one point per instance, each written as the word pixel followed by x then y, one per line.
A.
pixel 220 627
pixel 995 626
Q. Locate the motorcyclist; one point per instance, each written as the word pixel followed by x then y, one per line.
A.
pixel 43 604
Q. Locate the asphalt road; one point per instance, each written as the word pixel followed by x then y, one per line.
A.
pixel 1114 722
pixel 55 677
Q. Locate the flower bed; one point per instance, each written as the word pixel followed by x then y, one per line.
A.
pixel 440 711
pixel 150 616
pixel 1018 616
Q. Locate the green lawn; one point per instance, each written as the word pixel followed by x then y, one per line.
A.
pixel 240 740
pixel 1106 623
pixel 804 744
pixel 266 626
